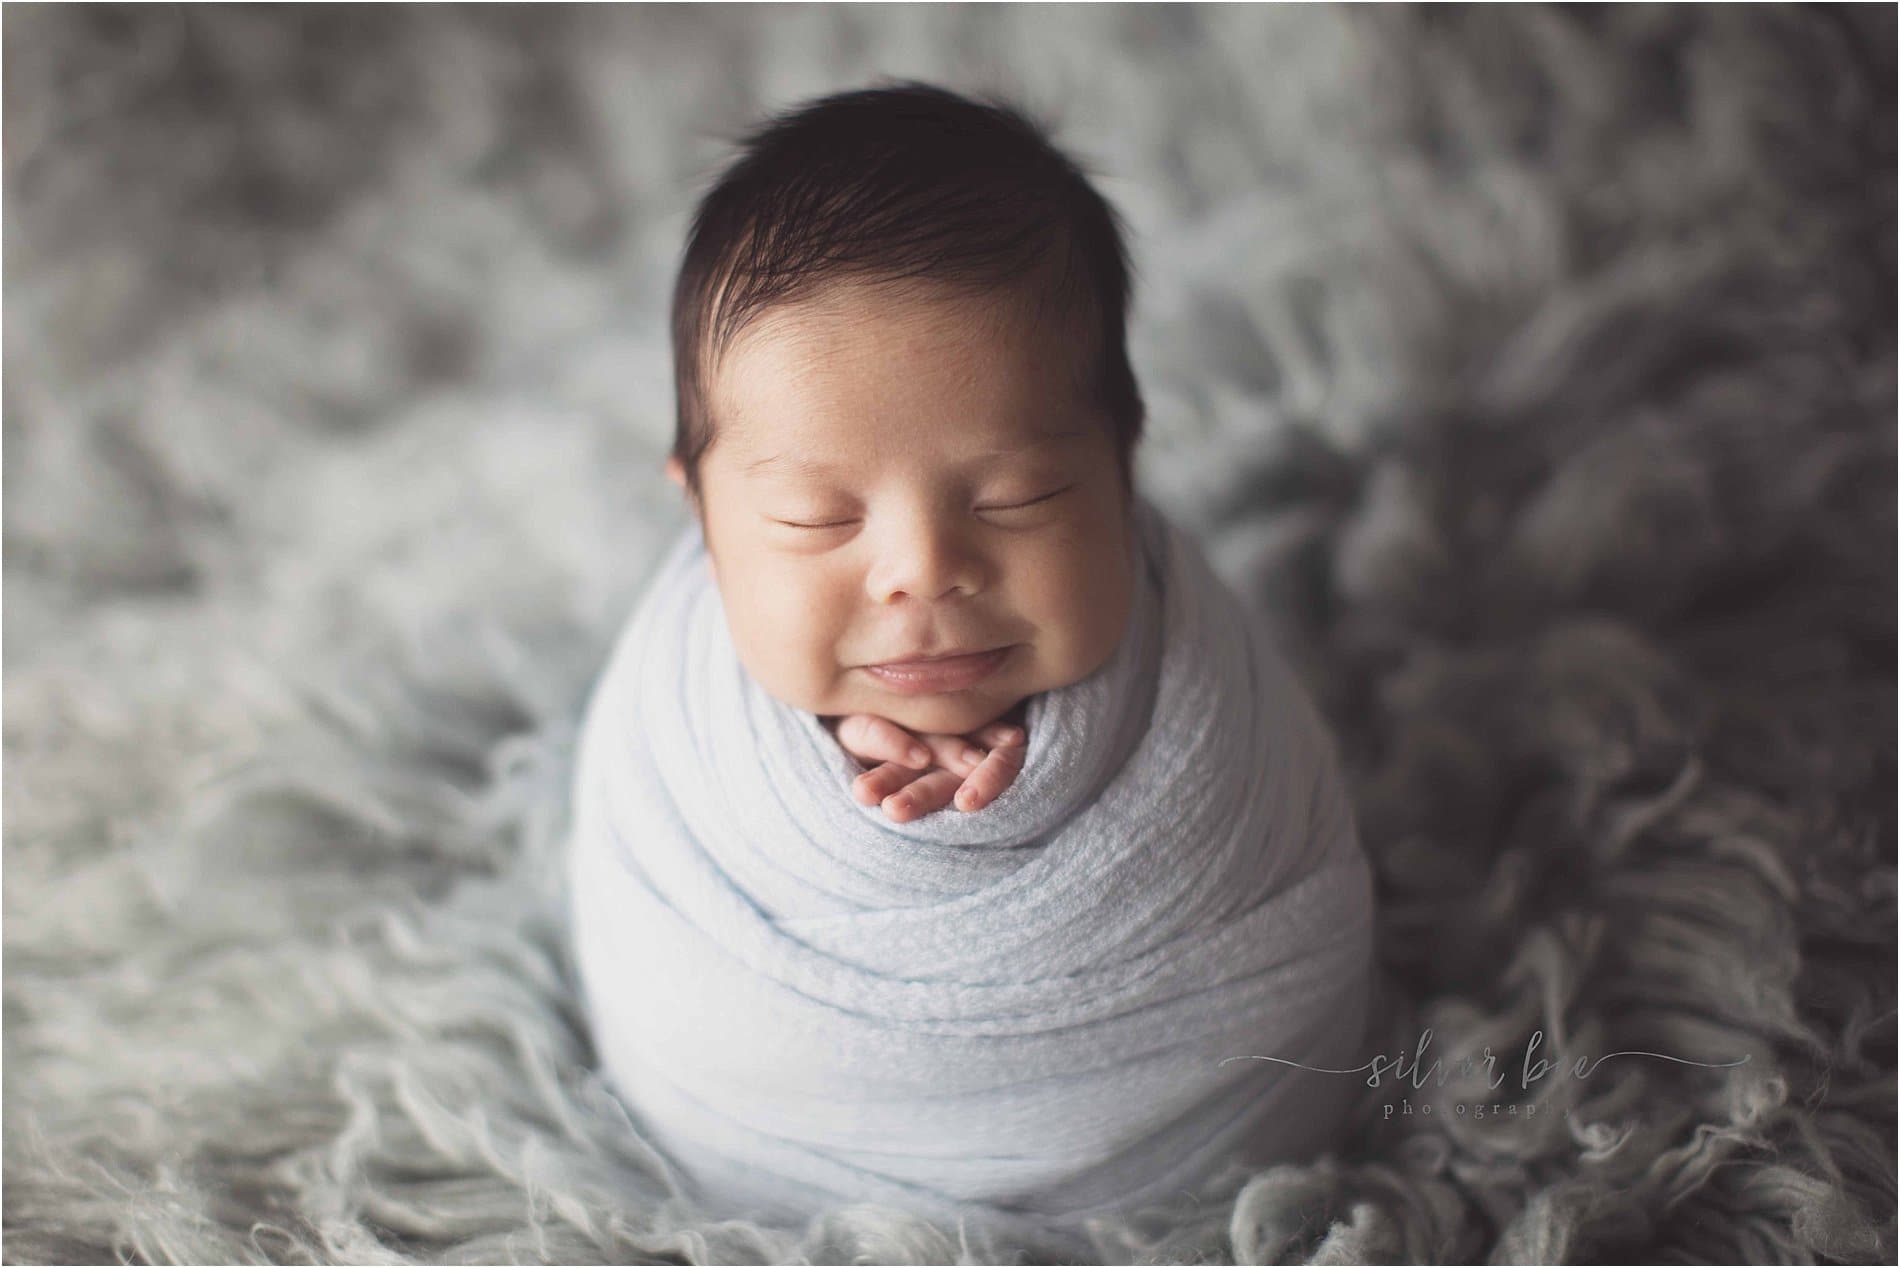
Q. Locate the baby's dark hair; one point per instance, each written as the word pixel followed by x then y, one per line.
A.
pixel 902 183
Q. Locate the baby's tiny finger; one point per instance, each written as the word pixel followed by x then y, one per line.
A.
pixel 874 785
pixel 999 735
pixel 926 794
pixel 954 753
pixel 870 738
pixel 988 782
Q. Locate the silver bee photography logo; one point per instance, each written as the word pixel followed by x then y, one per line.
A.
pixel 1409 1072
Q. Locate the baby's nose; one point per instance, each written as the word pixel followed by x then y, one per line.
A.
pixel 925 561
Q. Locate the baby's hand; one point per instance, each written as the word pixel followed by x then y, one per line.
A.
pixel 920 774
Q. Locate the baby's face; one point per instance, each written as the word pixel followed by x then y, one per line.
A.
pixel 902 478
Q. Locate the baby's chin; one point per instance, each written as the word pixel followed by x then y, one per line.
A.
pixel 949 713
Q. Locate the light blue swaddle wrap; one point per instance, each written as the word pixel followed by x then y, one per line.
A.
pixel 1022 1010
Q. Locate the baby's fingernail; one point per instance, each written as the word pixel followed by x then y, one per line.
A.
pixel 973 754
pixel 919 755
pixel 1011 735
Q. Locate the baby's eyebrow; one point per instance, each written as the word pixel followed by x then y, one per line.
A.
pixel 813 467
pixel 791 462
pixel 1036 441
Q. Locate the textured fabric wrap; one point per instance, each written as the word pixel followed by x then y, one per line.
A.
pixel 1030 1009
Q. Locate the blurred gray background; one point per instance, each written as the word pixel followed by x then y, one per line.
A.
pixel 1532 367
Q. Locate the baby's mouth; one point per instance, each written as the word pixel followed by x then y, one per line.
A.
pixel 936 674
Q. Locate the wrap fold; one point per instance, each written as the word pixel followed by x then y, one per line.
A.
pixel 1026 1010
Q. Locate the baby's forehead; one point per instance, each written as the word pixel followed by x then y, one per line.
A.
pixel 782 432
pixel 786 430
pixel 851 309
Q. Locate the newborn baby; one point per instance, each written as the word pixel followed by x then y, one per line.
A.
pixel 1099 897
pixel 915 523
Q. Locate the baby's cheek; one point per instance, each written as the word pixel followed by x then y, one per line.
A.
pixel 1084 597
pixel 786 633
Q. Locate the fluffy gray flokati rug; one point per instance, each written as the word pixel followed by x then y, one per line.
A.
pixel 1534 367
